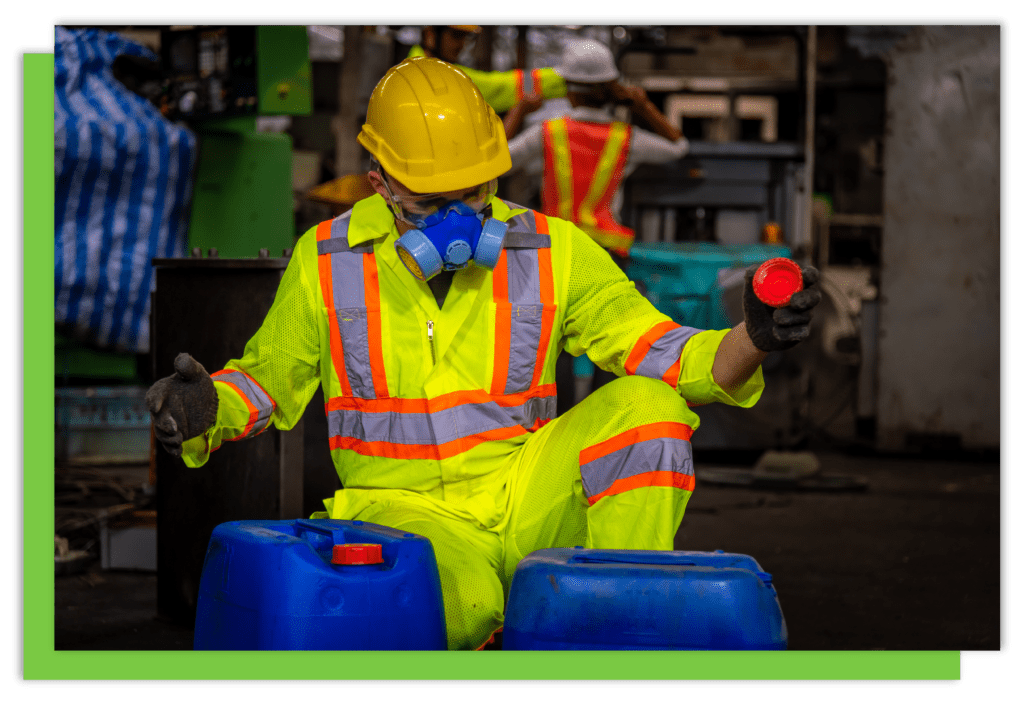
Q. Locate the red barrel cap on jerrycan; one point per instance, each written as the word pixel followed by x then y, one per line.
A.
pixel 356 554
pixel 777 280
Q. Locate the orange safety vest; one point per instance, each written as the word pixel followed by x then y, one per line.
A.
pixel 583 164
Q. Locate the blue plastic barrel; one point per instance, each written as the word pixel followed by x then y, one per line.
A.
pixel 575 598
pixel 282 585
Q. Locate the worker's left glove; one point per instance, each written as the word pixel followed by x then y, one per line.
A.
pixel 183 405
pixel 772 329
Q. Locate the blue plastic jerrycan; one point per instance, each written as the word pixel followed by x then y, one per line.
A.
pixel 575 598
pixel 318 585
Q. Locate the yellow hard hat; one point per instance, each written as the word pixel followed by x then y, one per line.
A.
pixel 430 128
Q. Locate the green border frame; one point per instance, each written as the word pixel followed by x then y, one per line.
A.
pixel 41 662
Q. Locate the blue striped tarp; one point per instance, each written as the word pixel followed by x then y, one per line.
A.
pixel 123 189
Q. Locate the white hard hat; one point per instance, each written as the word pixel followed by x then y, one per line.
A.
pixel 588 61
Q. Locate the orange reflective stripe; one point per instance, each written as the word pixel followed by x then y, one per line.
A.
pixel 655 478
pixel 502 325
pixel 402 451
pixel 519 85
pixel 647 432
pixel 254 413
pixel 547 297
pixel 538 86
pixel 373 325
pixel 643 345
pixel 323 232
pixel 671 378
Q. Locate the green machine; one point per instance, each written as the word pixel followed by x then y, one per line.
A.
pixel 242 196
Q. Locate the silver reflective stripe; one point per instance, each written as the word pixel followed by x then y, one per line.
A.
pixel 526 320
pixel 523 277
pixel 665 352
pixel 256 396
pixel 672 454
pixel 350 307
pixel 536 409
pixel 515 240
pixel 326 247
pixel 437 428
pixel 524 341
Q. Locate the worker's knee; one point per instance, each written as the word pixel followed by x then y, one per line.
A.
pixel 641 400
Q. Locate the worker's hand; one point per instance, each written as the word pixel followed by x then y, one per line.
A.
pixel 183 405
pixel 628 95
pixel 532 103
pixel 771 328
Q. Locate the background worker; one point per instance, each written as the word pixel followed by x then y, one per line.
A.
pixel 583 158
pixel 501 89
pixel 440 396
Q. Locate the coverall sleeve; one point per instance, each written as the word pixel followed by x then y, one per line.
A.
pixel 279 370
pixel 503 89
pixel 645 147
pixel 607 319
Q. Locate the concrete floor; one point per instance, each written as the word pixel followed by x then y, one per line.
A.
pixel 913 562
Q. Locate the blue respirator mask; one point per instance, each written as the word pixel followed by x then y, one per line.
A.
pixel 451 234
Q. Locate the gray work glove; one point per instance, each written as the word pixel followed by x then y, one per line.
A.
pixel 183 405
pixel 772 328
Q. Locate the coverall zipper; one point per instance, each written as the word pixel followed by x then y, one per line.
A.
pixel 430 341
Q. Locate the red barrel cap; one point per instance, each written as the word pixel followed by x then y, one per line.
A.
pixel 356 554
pixel 777 280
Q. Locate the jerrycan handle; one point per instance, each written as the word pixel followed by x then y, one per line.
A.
pixel 349 534
pixel 656 558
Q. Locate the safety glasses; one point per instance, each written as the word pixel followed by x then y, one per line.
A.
pixel 415 208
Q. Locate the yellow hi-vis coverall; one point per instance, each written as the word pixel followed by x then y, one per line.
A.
pixel 440 420
pixel 503 89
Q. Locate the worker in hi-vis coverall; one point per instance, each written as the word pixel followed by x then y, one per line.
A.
pixel 431 314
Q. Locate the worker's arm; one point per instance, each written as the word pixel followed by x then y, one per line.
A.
pixel 279 370
pixel 503 89
pixel 515 116
pixel 636 98
pixel 608 320
pixel 736 360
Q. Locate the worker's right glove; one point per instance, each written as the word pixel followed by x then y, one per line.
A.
pixel 183 405
pixel 771 328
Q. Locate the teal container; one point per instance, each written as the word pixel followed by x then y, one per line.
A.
pixel 682 278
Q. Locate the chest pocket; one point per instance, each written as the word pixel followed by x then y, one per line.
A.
pixel 524 305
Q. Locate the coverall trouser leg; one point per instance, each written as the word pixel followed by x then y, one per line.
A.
pixel 616 471
pixel 468 562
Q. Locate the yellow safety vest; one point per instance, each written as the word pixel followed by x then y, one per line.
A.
pixel 434 401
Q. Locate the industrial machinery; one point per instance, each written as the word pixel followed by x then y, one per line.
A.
pixel 219 80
